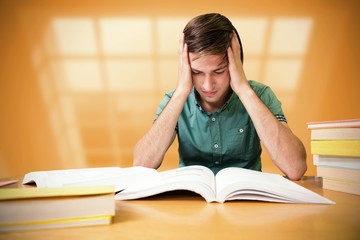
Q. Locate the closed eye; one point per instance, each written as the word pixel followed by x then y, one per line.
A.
pixel 195 72
pixel 219 71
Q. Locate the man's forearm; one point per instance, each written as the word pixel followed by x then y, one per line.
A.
pixel 151 148
pixel 284 148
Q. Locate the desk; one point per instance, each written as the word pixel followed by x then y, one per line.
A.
pixel 184 215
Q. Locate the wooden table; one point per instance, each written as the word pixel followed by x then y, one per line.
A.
pixel 184 215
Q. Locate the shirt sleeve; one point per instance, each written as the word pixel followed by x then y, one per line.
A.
pixel 163 103
pixel 270 100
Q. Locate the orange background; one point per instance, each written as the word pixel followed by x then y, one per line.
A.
pixel 80 80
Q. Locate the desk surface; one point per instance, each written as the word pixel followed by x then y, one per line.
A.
pixel 183 215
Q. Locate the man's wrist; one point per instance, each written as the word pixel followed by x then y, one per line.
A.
pixel 180 91
pixel 244 90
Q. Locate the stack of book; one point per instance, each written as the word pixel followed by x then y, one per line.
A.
pixel 335 146
pixel 40 208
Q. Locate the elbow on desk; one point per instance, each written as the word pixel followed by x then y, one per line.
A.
pixel 296 174
pixel 295 162
pixel 139 156
pixel 143 163
pixel 297 170
pixel 141 159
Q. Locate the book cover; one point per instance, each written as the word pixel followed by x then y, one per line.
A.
pixel 351 123
pixel 32 192
pixel 57 223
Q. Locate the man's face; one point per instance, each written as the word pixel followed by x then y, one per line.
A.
pixel 211 80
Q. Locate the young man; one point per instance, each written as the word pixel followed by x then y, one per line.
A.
pixel 219 116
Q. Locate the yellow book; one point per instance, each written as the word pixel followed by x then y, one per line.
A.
pixel 34 208
pixel 57 223
pixel 32 192
pixel 350 148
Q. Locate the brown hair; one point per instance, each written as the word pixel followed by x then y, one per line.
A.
pixel 210 34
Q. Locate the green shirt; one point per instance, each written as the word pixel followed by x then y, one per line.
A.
pixel 226 138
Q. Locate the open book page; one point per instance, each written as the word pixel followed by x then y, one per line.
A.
pixel 113 176
pixel 197 179
pixel 244 184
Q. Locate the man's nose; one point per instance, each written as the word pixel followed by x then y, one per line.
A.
pixel 208 82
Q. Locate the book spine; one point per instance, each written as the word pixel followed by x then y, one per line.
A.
pixel 337 161
pixel 341 186
pixel 335 134
pixel 338 173
pixel 333 124
pixel 350 148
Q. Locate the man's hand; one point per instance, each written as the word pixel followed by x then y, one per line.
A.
pixel 238 79
pixel 185 83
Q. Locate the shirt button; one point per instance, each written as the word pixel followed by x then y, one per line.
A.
pixel 241 130
pixel 217 163
pixel 213 119
pixel 216 145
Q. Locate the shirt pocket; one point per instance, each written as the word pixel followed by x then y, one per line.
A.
pixel 236 141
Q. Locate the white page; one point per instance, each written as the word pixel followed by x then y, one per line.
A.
pixel 114 176
pixel 229 180
pixel 198 179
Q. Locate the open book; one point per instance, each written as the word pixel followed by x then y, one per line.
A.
pixel 139 182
